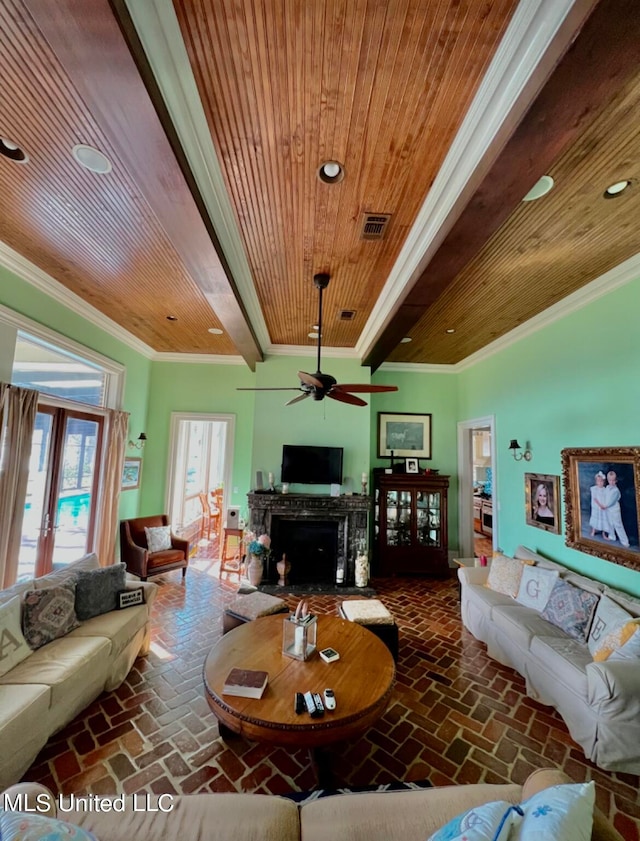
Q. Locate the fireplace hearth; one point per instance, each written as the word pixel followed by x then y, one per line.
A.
pixel 317 533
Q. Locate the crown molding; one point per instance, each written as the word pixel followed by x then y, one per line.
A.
pixel 305 350
pixel 528 36
pixel 418 368
pixel 199 358
pixel 42 281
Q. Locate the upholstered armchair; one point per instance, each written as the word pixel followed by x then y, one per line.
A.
pixel 134 550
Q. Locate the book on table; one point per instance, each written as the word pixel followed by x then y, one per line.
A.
pixel 245 683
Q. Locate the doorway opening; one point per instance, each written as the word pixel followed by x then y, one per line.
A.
pixel 477 508
pixel 200 469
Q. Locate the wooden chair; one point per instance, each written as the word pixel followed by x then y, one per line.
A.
pixel 231 540
pixel 205 521
pixel 216 502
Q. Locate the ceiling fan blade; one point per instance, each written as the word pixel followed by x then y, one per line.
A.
pixel 363 388
pixel 297 399
pixel 343 397
pixel 269 388
pixel 309 379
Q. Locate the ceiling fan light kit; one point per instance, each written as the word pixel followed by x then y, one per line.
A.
pixel 319 385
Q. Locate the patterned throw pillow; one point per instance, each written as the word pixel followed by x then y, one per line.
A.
pixel 570 609
pixel 158 538
pixel 623 643
pixel 608 617
pixel 536 585
pixel 13 645
pixel 21 826
pixel 49 614
pixel 559 812
pixel 97 590
pixel 489 821
pixel 504 575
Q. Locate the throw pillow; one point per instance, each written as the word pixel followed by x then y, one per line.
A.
pixel 623 643
pixel 21 826
pixel 570 609
pixel 608 616
pixel 504 575
pixel 536 585
pixel 13 645
pixel 563 812
pixel 97 591
pixel 489 822
pixel 49 614
pixel 158 538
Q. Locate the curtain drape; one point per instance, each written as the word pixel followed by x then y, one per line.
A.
pixel 104 543
pixel 18 409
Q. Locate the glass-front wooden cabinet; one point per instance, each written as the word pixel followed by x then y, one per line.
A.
pixel 410 524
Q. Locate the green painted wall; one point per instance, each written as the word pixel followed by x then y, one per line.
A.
pixel 571 384
pixel 22 297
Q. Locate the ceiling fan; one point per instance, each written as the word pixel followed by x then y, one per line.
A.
pixel 321 385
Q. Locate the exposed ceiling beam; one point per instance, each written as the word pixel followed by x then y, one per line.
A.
pixel 90 44
pixel 601 53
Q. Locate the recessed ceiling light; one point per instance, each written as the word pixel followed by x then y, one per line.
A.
pixel 172 318
pixel 406 340
pixel 450 330
pixel 331 172
pixel 313 335
pixel 215 331
pixel 12 151
pixel 540 188
pixel 617 189
pixel 91 159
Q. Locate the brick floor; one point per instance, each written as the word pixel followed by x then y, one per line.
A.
pixel 455 716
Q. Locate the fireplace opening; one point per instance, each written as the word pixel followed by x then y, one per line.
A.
pixel 311 547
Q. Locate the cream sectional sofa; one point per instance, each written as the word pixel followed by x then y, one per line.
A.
pixel 599 701
pixel 366 816
pixel 45 691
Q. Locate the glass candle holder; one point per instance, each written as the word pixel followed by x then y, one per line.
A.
pixel 299 637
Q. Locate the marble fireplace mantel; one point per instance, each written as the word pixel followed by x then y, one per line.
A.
pixel 349 512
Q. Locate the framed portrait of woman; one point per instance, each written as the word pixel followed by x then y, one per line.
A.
pixel 542 501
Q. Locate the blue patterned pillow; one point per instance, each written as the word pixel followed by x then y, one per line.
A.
pixel 489 822
pixel 570 609
pixel 49 614
pixel 20 826
pixel 563 812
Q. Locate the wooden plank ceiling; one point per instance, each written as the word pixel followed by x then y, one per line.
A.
pixel 380 86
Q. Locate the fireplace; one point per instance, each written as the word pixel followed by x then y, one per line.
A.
pixel 315 532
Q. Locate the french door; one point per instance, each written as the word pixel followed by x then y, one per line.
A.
pixel 61 504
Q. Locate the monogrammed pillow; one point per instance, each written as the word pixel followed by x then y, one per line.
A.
pixel 608 616
pixel 536 585
pixel 13 645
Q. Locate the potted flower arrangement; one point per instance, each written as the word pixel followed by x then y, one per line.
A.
pixel 258 550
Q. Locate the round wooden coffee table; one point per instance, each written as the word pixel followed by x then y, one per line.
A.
pixel 362 680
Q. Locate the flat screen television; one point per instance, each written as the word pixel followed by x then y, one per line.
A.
pixel 311 465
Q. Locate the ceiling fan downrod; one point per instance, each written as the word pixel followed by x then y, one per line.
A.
pixel 320 281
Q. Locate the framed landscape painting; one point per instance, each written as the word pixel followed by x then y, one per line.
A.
pixel 404 435
pixel 131 474
pixel 602 501
pixel 542 506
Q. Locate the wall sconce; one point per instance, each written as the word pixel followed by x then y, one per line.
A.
pixel 139 444
pixel 515 448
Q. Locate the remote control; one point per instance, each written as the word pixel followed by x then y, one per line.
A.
pixel 329 699
pixel 312 709
pixel 318 702
pixel 299 705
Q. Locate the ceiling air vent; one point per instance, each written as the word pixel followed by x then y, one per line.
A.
pixel 374 225
pixel 347 315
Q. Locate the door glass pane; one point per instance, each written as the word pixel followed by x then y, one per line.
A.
pixel 34 503
pixel 75 490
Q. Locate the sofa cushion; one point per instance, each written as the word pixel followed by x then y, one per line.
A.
pixel 608 617
pixel 624 600
pixel 97 590
pixel 522 624
pixel 118 626
pixel 49 614
pixel 18 589
pixel 504 575
pixel 67 571
pixel 524 554
pixel 571 609
pixel 158 538
pixel 13 645
pixel 66 665
pixel 22 711
pixel 23 826
pixel 482 595
pixel 536 585
pixel 584 583
pixel 564 658
pixel 160 559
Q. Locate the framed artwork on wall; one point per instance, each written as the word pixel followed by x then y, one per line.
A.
pixel 602 501
pixel 131 474
pixel 405 435
pixel 542 501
